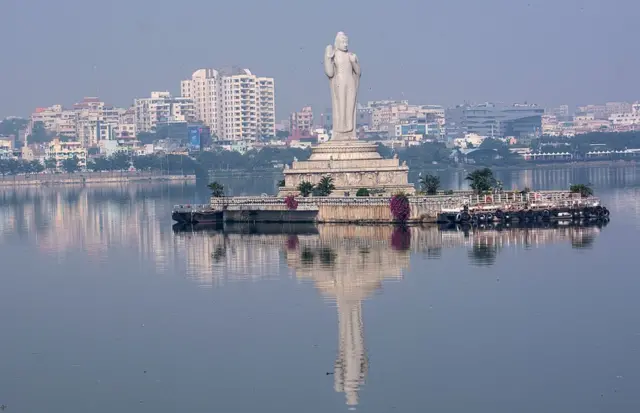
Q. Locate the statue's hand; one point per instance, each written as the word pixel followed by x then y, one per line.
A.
pixel 329 52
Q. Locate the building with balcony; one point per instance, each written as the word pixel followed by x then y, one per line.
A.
pixel 301 122
pixel 233 102
pixel 89 121
pixel 161 107
pixel 59 150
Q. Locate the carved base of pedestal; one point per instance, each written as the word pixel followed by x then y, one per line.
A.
pixel 342 191
pixel 352 164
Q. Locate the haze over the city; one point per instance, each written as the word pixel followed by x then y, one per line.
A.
pixel 445 52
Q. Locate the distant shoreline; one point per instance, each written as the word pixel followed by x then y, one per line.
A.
pixel 546 165
pixel 89 178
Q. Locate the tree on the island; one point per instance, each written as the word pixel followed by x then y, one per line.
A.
pixel 281 183
pixel 325 186
pixel 482 180
pixel 50 164
pixel 305 188
pixel 363 192
pixel 584 190
pixel 71 165
pixel 217 189
pixel 430 184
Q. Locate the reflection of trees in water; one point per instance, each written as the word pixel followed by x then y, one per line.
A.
pixel 583 241
pixel 325 255
pixel 434 253
pixel 219 254
pixel 483 255
pixel 306 256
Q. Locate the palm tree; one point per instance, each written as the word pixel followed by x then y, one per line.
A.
pixel 584 190
pixel 430 184
pixel 305 188
pixel 217 189
pixel 482 180
pixel 325 186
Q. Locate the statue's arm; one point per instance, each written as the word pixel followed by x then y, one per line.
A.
pixel 355 63
pixel 328 62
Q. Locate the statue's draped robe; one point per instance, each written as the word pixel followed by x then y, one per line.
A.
pixel 344 94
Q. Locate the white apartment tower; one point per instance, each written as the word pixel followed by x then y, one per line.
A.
pixel 234 103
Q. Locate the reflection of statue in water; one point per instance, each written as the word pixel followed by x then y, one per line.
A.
pixel 343 70
pixel 352 364
pixel 348 265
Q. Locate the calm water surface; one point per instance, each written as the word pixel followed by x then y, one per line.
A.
pixel 105 308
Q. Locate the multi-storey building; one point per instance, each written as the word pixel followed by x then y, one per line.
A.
pixel 267 107
pixel 47 116
pixel 234 103
pixel 561 112
pixel 498 121
pixel 205 90
pixel 397 112
pixel 60 150
pixel 96 121
pixel 301 122
pixel 127 128
pixel 161 107
pixel 89 122
pixel 617 107
pixel 598 111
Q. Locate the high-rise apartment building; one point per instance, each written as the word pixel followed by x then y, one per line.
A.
pixel 234 103
pixel 162 108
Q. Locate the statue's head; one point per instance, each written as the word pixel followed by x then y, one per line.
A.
pixel 342 42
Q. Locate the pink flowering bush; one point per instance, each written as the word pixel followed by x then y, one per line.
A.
pixel 399 206
pixel 291 202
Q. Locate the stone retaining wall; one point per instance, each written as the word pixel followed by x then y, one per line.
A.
pixel 376 209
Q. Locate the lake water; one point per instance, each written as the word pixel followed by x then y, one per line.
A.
pixel 105 308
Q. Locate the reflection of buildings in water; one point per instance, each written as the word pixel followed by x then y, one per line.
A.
pixel 626 203
pixel 93 219
pixel 214 258
pixel 432 237
pixel 557 177
pixel 348 264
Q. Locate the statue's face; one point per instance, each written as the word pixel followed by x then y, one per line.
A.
pixel 342 42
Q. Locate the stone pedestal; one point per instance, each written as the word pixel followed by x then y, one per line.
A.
pixel 352 164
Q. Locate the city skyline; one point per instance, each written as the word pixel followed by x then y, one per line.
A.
pixel 550 67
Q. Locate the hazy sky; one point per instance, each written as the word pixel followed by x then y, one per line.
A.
pixel 432 52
